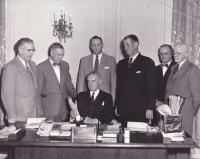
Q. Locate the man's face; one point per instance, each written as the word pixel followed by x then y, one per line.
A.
pixel 94 82
pixel 26 51
pixel 96 46
pixel 180 53
pixel 130 46
pixel 165 55
pixel 57 55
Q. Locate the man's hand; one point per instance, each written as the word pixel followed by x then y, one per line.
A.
pixel 149 114
pixel 74 110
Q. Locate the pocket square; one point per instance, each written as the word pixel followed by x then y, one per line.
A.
pixel 106 67
pixel 102 103
pixel 138 72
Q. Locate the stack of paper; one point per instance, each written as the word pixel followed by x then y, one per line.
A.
pixel 137 126
pixel 45 129
pixel 5 132
pixel 34 123
pixel 176 136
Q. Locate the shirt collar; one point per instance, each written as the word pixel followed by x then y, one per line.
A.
pixel 23 62
pixel 181 63
pixel 99 55
pixel 95 92
pixel 135 56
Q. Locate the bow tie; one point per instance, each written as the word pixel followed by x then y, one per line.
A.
pixel 56 64
pixel 166 65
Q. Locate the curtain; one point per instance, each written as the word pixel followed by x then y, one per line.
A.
pixel 186 26
pixel 2 23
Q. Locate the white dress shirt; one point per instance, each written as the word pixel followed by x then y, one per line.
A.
pixel 56 69
pixel 94 58
pixel 23 62
pixel 164 68
pixel 95 93
pixel 133 57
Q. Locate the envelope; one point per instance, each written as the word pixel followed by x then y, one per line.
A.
pixel 107 67
pixel 138 71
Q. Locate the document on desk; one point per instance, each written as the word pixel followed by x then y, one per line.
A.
pixel 34 123
pixel 137 126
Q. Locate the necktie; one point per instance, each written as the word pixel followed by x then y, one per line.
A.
pixel 96 64
pixel 130 62
pixel 92 97
pixel 28 68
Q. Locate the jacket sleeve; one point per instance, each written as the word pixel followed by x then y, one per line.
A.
pixel 70 87
pixel 40 87
pixel 194 85
pixel 8 91
pixel 150 77
pixel 113 78
pixel 80 84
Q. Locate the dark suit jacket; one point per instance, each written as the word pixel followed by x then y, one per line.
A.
pixel 186 83
pixel 52 94
pixel 161 81
pixel 101 108
pixel 136 88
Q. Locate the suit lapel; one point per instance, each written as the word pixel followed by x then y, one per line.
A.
pixel 180 72
pixel 89 64
pixel 136 62
pixel 62 74
pixel 52 72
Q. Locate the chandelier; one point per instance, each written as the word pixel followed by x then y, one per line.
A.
pixel 62 27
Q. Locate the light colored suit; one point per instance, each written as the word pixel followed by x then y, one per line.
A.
pixel 52 93
pixel 186 83
pixel 107 70
pixel 19 91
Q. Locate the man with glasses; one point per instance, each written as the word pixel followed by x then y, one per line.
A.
pixel 19 83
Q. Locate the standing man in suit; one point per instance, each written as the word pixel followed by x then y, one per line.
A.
pixel 94 105
pixel 97 61
pixel 165 54
pixel 19 84
pixel 184 81
pixel 136 87
pixel 55 84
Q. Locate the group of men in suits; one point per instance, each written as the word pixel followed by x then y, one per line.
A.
pixel 133 87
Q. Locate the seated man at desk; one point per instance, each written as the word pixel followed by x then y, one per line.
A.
pixel 93 105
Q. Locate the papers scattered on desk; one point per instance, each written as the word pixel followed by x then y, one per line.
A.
pixel 44 129
pixel 5 132
pixel 3 156
pixel 34 123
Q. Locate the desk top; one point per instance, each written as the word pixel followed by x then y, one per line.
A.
pixel 140 140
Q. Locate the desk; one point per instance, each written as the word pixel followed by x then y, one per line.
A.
pixel 34 147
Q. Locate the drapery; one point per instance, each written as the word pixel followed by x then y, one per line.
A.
pixel 186 26
pixel 186 29
pixel 2 22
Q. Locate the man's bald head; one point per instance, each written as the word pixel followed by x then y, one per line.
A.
pixel 180 52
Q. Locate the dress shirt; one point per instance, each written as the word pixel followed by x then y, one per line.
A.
pixel 94 58
pixel 95 93
pixel 56 69
pixel 133 57
pixel 164 68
